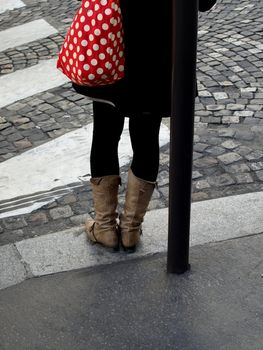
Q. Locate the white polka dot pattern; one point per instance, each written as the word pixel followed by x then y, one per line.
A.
pixel 93 51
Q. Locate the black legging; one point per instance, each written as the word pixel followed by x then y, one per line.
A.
pixel 107 130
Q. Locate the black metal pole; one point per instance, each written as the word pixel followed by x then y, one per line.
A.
pixel 185 22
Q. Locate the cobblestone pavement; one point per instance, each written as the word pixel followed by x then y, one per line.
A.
pixel 228 152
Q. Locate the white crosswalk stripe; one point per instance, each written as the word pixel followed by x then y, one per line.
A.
pixel 10 5
pixel 59 162
pixel 27 82
pixel 25 33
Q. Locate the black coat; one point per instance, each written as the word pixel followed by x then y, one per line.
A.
pixel 147 83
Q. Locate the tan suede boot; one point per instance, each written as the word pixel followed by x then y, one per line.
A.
pixel 104 228
pixel 138 196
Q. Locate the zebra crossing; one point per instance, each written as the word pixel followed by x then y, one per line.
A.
pixel 30 180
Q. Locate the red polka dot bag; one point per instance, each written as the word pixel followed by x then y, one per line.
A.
pixel 93 51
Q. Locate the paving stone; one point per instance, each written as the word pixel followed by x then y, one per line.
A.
pixel 243 178
pixel 255 107
pixel 256 165
pixel 20 120
pixel 220 95
pixel 4 150
pixel 3 126
pixel 248 89
pixel 50 127
pixel 13 223
pixel 61 212
pixel 226 132
pixel 215 107
pixel 199 196
pixel 255 155
pixel 80 219
pixel 16 106
pixel 84 196
pixel 230 144
pixel 37 135
pixel 205 162
pixel 244 113
pixel 38 218
pixel 215 151
pixel 204 93
pixel 230 120
pixel 220 180
pixel 17 233
pixel 68 199
pixel 196 138
pixel 260 175
pixel 163 178
pixel 257 129
pixel 196 174
pixel 229 158
pixel 251 121
pixel 8 131
pixel 237 168
pixel 50 205
pixel 201 184
pixel 212 120
pixel 214 140
pixel 197 155
pixel 80 207
pixel 164 191
pixel 243 150
pixel 7 156
pixel 57 132
pixel 21 144
pixel 39 117
pixel 164 158
pixel 244 135
pixel 203 113
pixel 235 107
pixel 200 147
pixel 3 144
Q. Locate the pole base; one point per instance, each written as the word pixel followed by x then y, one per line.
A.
pixel 179 270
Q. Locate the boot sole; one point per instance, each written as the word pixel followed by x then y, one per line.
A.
pixel 129 250
pixel 111 249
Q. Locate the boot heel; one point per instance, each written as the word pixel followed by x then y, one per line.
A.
pixel 129 250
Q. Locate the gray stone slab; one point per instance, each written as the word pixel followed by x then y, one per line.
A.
pixel 211 220
pixel 137 306
pixel 12 270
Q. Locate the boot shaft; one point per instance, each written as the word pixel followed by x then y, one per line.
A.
pixel 138 196
pixel 137 199
pixel 105 196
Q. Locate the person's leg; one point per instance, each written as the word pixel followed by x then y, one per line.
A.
pixel 142 176
pixel 107 129
pixel 144 133
pixel 105 180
